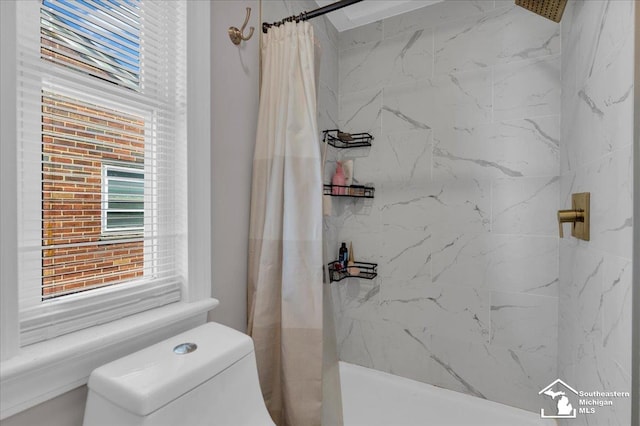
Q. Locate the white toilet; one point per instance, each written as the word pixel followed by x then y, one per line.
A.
pixel 205 376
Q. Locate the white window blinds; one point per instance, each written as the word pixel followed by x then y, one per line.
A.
pixel 101 38
pixel 102 160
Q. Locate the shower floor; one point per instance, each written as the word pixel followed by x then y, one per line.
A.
pixel 371 398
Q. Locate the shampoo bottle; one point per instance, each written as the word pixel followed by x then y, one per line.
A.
pixel 343 255
pixel 339 180
pixel 347 169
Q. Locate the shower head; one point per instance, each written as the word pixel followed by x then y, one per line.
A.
pixel 550 9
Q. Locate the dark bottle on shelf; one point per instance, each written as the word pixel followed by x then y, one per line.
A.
pixel 343 255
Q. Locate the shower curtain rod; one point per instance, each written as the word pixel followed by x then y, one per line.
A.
pixel 313 14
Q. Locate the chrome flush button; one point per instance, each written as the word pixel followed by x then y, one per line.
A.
pixel 185 348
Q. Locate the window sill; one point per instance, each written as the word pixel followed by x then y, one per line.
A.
pixel 44 370
pixel 121 236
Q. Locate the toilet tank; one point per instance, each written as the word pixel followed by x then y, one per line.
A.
pixel 212 380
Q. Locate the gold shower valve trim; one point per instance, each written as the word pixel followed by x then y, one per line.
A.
pixel 579 216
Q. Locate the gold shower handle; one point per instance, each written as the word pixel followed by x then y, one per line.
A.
pixel 571 216
pixel 578 215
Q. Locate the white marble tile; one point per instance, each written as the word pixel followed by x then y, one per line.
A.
pixel 328 110
pixel 525 205
pixel 614 378
pixel 507 34
pixel 525 322
pixel 365 34
pixel 458 259
pixel 433 15
pixel 603 110
pixel 384 346
pixel 365 167
pixel 457 311
pixel 609 181
pixel 462 206
pixel 404 159
pixel 363 231
pixel 407 107
pixel 405 257
pixel 353 346
pixel 358 298
pixel 522 264
pixel 487 219
pixel 527 89
pixel 324 24
pixel 501 374
pixel 570 145
pixel 528 147
pixel 394 161
pixel 604 31
pixel 598 371
pixel 327 54
pixel 409 208
pixel 398 60
pixel 581 306
pixel 361 112
pixel 525 35
pixel 616 312
pixel 460 99
pixel 594 334
pixel 567 312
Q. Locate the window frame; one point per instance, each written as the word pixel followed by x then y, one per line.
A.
pixel 146 291
pixel 35 373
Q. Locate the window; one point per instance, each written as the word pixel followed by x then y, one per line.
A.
pixel 102 143
pixel 92 191
pixel 122 200
pixel 38 362
pixel 101 38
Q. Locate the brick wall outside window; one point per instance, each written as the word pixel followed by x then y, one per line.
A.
pixel 75 144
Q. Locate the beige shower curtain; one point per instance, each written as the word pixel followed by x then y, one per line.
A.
pixel 285 248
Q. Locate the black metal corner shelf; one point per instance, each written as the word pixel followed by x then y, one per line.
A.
pixel 338 139
pixel 354 191
pixel 368 271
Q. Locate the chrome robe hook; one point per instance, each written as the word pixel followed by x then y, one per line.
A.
pixel 236 35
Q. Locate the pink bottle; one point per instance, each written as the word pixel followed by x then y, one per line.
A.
pixel 338 179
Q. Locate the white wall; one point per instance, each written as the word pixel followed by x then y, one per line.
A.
pixel 234 94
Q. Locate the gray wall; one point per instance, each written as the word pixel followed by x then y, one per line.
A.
pixel 463 98
pixel 597 136
pixel 234 101
pixel 64 410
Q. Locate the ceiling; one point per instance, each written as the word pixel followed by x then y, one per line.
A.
pixel 369 11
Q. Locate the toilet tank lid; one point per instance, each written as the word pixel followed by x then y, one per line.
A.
pixel 152 377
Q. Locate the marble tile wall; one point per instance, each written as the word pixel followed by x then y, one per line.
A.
pixel 594 337
pixel 463 99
